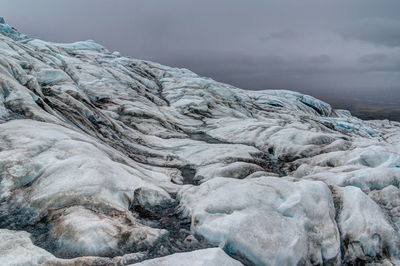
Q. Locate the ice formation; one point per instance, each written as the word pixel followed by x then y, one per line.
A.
pixel 109 160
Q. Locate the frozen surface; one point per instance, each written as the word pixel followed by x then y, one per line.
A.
pixel 111 160
pixel 364 228
pixel 16 249
pixel 203 257
pixel 268 220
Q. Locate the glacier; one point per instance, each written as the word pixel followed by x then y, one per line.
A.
pixel 109 160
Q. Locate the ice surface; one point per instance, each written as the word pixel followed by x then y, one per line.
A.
pixel 204 257
pixel 106 159
pixel 16 248
pixel 364 228
pixel 51 76
pixel 267 219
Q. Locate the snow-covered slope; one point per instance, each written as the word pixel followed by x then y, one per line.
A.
pixel 111 160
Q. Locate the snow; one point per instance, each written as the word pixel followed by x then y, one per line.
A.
pixel 108 159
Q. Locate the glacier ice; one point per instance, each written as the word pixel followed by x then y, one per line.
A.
pixel 106 159
pixel 364 228
pixel 16 248
pixel 203 257
pixel 268 219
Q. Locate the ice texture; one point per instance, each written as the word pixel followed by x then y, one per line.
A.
pixel 268 219
pixel 106 159
pixel 203 257
pixel 16 248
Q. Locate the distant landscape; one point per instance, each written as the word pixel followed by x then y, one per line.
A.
pixel 367 105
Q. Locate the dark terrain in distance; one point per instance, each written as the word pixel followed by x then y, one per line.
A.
pixel 365 104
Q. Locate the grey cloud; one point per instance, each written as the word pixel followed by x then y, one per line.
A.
pixel 380 31
pixel 266 72
pixel 373 58
pixel 251 44
pixel 320 59
pixel 379 63
pixel 286 34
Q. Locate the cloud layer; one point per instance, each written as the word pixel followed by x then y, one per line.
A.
pixel 303 45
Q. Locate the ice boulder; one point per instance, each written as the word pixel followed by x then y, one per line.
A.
pixel 268 220
pixel 365 231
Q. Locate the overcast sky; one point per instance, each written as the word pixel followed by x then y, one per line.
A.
pixel 294 44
